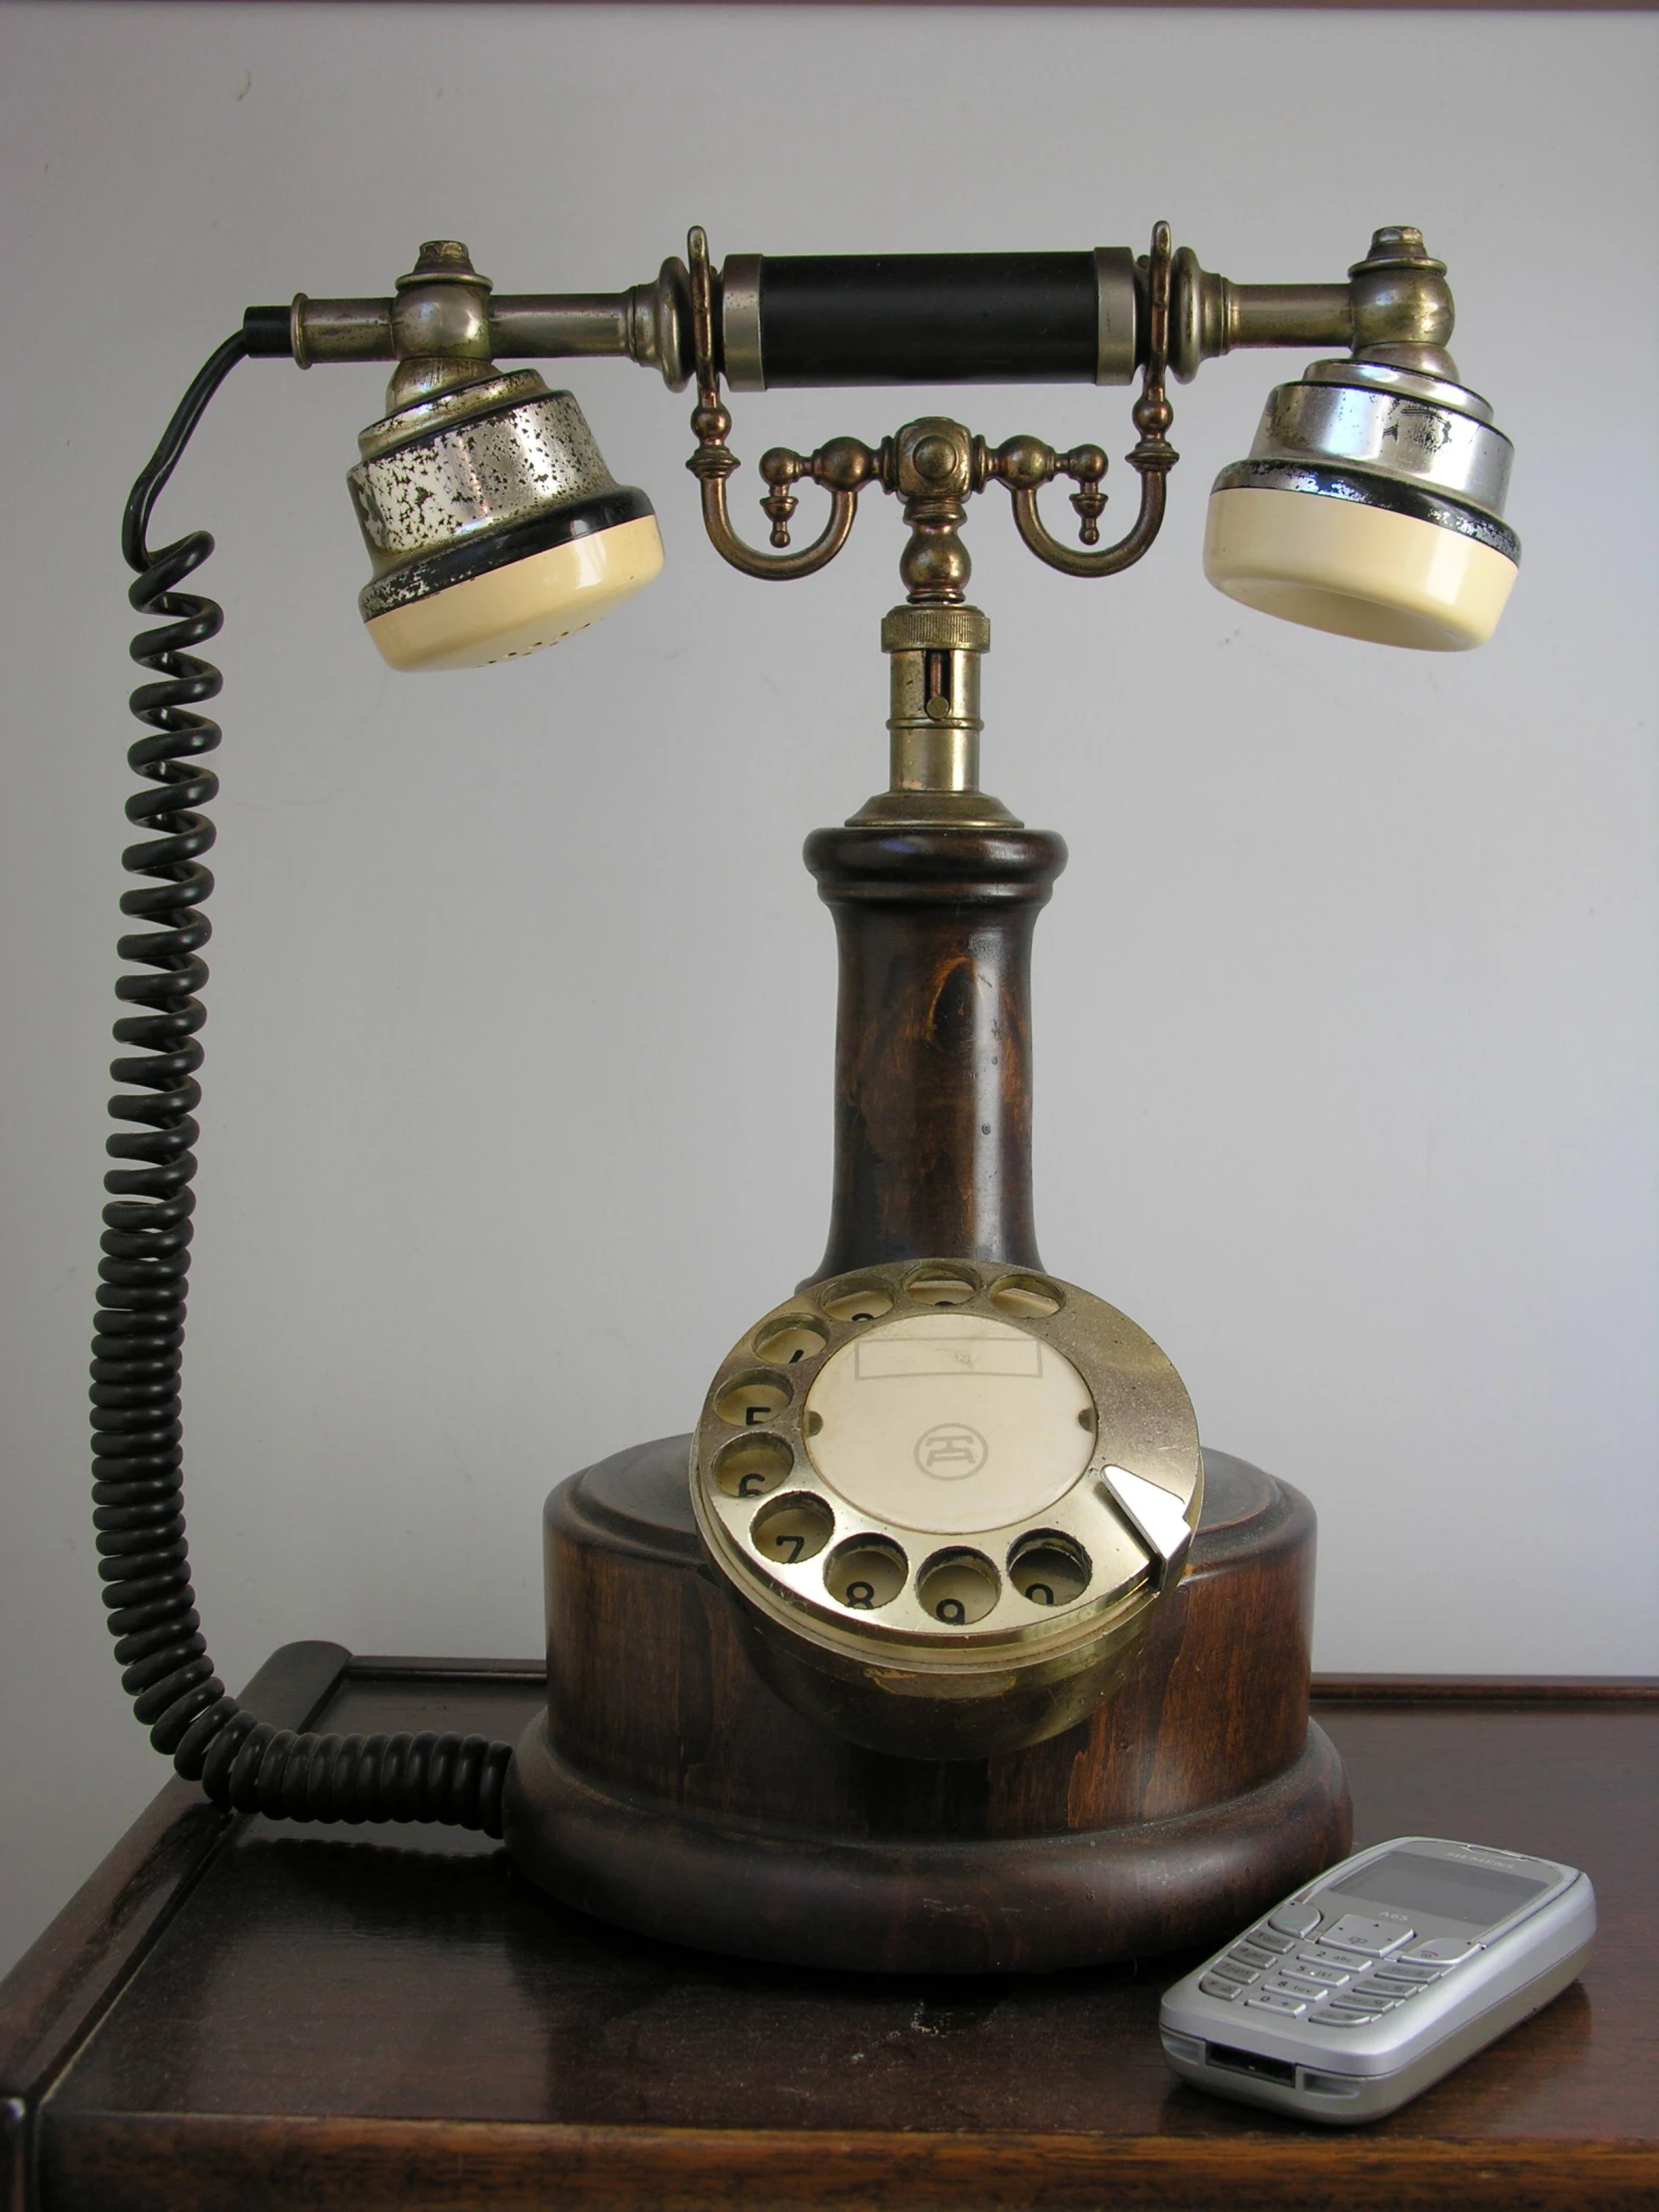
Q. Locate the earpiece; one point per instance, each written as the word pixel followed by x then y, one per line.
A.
pixel 493 524
pixel 1371 504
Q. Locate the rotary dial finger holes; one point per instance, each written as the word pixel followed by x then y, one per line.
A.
pixel 936 1454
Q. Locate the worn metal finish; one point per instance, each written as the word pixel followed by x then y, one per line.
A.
pixel 443 304
pixel 1118 351
pixel 1393 423
pixel 1402 305
pixel 648 324
pixel 1210 315
pixel 935 720
pixel 339 330
pixel 739 322
pixel 1007 1655
pixel 1395 305
pixel 441 324
pixel 469 464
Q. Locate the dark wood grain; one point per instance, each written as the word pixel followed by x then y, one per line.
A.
pixel 934 1039
pixel 373 2018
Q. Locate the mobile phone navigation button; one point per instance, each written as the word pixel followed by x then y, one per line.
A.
pixel 1375 1937
pixel 1299 1919
pixel 1439 1951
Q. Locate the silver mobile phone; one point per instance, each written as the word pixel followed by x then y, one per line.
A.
pixel 1368 1984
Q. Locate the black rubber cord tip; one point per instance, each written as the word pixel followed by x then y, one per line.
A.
pixel 269 330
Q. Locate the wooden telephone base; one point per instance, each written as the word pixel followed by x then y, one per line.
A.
pixel 668 1789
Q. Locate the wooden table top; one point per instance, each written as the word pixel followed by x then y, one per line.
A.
pixel 237 2013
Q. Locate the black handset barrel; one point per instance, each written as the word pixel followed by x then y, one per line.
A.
pixel 928 318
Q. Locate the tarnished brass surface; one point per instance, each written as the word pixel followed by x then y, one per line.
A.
pixel 1395 303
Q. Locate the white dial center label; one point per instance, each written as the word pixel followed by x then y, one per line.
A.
pixel 949 1423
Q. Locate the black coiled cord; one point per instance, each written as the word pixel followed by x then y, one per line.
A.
pixel 138 1479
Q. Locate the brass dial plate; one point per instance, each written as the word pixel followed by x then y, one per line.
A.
pixel 956 1461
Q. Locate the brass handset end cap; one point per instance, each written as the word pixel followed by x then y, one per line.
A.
pixel 935 630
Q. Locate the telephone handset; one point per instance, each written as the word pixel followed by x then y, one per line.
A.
pixel 945 1496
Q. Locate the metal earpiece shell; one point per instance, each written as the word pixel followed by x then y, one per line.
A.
pixel 1371 504
pixel 493 525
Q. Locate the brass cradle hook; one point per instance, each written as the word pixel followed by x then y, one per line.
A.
pixel 1025 463
pixel 844 466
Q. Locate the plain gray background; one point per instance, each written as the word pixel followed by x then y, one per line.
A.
pixel 518 1081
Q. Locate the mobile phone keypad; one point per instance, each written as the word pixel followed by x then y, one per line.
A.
pixel 1347 1987
pixel 1267 1939
pixel 1322 1955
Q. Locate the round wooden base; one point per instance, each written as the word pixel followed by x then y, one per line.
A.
pixel 669 1790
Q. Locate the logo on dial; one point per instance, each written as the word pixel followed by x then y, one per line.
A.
pixel 950 1449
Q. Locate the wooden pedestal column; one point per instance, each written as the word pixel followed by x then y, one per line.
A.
pixel 666 1787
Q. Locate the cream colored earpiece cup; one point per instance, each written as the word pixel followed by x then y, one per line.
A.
pixel 514 609
pixel 1364 572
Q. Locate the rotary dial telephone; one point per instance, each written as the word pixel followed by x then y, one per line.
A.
pixel 946 1496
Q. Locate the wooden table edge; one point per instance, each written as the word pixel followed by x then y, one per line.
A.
pixel 168 2163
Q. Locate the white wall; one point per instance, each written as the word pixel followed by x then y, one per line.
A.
pixel 517 1093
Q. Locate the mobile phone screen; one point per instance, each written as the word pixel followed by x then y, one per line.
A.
pixel 1411 1880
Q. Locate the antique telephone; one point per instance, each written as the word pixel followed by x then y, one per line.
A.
pixel 941 1645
